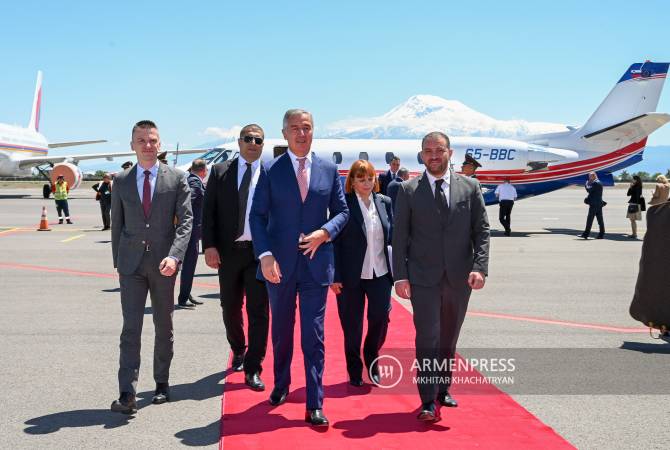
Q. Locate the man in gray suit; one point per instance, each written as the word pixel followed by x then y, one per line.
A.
pixel 151 226
pixel 442 207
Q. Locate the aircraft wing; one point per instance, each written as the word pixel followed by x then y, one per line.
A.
pixel 33 161
pixel 630 131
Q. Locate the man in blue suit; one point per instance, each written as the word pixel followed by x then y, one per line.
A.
pixel 292 237
pixel 594 188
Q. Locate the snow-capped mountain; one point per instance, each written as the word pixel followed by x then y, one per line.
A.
pixel 421 114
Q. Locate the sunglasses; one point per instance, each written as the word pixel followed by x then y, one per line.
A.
pixel 255 140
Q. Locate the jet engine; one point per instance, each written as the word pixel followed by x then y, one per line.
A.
pixel 70 172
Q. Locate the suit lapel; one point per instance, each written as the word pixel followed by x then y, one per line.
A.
pixel 286 165
pixel 159 187
pixel 455 194
pixel 357 214
pixel 381 212
pixel 233 181
pixel 314 175
pixel 425 190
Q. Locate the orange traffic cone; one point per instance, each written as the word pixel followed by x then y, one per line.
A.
pixel 44 223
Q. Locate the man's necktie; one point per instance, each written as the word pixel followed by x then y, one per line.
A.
pixel 302 178
pixel 146 194
pixel 243 196
pixel 440 198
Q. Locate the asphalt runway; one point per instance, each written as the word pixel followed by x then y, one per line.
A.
pixel 555 302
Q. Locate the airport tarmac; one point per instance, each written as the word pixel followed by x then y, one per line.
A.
pixel 557 302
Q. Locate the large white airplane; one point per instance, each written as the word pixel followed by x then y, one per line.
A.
pixel 22 149
pixel 614 137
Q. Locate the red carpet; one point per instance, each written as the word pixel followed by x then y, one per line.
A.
pixel 371 417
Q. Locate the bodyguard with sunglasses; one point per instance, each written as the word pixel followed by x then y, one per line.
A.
pixel 227 242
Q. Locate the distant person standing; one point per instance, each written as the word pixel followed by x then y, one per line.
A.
pixel 195 179
pixel 661 191
pixel 594 199
pixel 60 191
pixel 635 204
pixel 147 247
pixel 506 194
pixel 104 196
pixel 392 189
pixel 470 166
pixel 390 175
pixel 127 165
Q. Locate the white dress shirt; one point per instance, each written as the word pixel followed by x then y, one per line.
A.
pixel 308 164
pixel 255 173
pixel 152 180
pixel 445 186
pixel 374 263
pixel 506 191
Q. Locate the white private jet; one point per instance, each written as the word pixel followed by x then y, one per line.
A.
pixel 613 138
pixel 22 149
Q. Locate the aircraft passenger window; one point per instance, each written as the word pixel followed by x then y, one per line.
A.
pixel 363 156
pixel 279 150
pixel 337 157
pixel 389 157
pixel 418 158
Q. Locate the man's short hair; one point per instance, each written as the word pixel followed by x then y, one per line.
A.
pixel 403 172
pixel 126 165
pixel 198 165
pixel 295 112
pixel 435 135
pixel 395 158
pixel 252 126
pixel 144 124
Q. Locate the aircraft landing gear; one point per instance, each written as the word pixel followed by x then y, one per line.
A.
pixel 46 190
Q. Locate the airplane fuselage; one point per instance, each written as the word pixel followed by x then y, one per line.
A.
pixel 16 143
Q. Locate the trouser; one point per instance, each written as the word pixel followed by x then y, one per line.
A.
pixel 596 212
pixel 188 269
pixel 237 278
pixel 105 210
pixel 134 290
pixel 62 208
pixel 439 312
pixel 350 307
pixel 505 214
pixel 312 314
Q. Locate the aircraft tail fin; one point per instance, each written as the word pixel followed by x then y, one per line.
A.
pixel 37 105
pixel 636 93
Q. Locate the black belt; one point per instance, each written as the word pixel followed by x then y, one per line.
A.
pixel 242 244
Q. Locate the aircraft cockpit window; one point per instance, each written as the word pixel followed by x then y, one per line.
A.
pixel 337 157
pixel 224 156
pixel 211 155
pixel 389 157
pixel 363 156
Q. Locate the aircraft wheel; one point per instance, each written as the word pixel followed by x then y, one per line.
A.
pixel 46 190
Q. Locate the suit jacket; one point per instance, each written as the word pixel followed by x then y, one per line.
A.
pixel 197 199
pixel 132 232
pixel 222 205
pixel 384 180
pixel 392 189
pixel 426 245
pixel 351 244
pixel 278 215
pixel 595 194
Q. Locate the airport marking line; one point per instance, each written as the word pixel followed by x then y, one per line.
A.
pixel 9 231
pixel 73 238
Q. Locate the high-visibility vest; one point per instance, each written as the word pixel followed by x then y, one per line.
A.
pixel 61 191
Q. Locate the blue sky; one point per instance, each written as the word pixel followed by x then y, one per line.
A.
pixel 219 64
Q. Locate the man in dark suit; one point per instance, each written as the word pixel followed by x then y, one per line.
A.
pixel 440 253
pixel 197 173
pixel 148 247
pixel 594 199
pixel 390 175
pixel 392 189
pixel 228 248
pixel 296 194
pixel 363 269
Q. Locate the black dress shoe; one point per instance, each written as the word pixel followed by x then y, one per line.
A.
pixel 278 396
pixel 373 374
pixel 238 362
pixel 162 394
pixel 194 301
pixel 126 404
pixel 600 236
pixel 357 382
pixel 316 418
pixel 430 412
pixel 253 380
pixel 446 400
pixel 184 306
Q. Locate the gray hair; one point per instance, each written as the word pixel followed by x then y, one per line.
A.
pixel 435 135
pixel 295 112
pixel 198 164
pixel 403 172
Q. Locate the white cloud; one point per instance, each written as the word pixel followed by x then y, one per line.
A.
pixel 227 134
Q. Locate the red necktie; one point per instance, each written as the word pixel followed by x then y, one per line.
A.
pixel 146 194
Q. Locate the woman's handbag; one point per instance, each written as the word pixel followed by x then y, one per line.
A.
pixel 633 208
pixel 643 204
